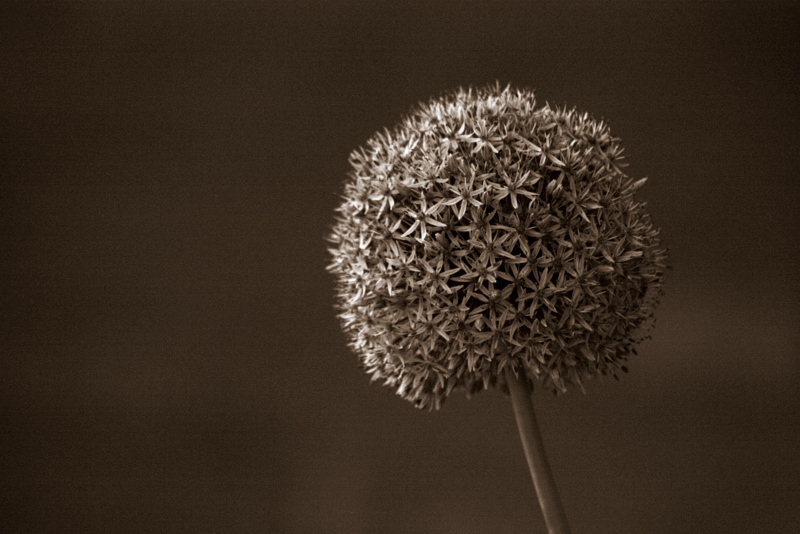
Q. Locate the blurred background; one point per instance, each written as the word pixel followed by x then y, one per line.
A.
pixel 171 360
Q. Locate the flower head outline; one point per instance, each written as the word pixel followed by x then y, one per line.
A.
pixel 484 232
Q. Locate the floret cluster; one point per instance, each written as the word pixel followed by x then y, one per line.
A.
pixel 484 232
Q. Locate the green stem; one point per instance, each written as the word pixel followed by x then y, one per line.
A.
pixel 553 511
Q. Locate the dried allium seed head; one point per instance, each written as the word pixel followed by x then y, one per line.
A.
pixel 482 232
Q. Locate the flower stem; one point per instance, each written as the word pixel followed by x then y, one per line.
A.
pixel 553 511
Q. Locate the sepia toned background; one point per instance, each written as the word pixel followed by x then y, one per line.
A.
pixel 170 360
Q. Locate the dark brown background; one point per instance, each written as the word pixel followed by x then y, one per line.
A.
pixel 170 358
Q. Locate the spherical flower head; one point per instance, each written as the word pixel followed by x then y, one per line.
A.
pixel 483 232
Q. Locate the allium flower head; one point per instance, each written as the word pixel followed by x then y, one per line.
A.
pixel 483 232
